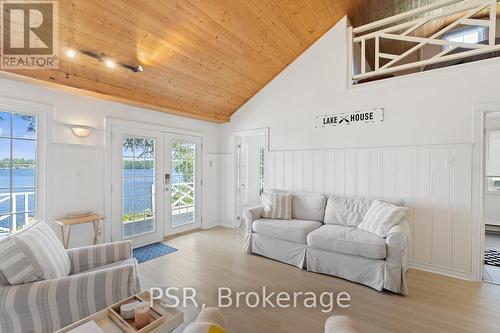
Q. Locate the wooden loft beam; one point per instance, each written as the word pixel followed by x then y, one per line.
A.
pixel 403 16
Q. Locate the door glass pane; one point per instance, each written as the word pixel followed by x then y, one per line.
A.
pixel 183 182
pixel 138 182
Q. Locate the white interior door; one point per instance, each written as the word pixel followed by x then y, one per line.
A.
pixel 137 188
pixel 251 164
pixel 182 182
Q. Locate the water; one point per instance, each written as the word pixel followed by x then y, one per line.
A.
pixel 144 191
pixel 23 180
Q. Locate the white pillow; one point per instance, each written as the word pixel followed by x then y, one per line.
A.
pixel 277 205
pixel 308 206
pixel 381 217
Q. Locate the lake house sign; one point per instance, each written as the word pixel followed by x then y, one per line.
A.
pixel 351 118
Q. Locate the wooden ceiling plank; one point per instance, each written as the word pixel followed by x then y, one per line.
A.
pixel 192 66
pixel 240 24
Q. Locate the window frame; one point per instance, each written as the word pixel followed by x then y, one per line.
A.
pixel 43 149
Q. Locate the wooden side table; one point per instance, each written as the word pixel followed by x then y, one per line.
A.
pixel 66 223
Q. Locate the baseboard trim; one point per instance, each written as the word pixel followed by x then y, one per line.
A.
pixel 228 224
pixel 182 234
pixel 442 271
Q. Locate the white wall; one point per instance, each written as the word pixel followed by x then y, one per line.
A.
pixel 78 163
pixel 425 109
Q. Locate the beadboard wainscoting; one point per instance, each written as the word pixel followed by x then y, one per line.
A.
pixel 435 182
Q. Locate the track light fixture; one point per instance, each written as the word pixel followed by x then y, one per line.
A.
pixel 107 60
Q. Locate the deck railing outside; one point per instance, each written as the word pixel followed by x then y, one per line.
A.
pixel 16 210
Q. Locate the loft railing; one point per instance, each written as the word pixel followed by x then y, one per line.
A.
pixel 4 197
pixel 398 29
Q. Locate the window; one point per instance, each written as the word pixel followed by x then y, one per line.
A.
pixel 469 36
pixel 18 170
pixel 493 184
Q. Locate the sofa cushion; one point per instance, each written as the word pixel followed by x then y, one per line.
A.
pixel 381 217
pixel 346 211
pixel 347 240
pixel 277 205
pixel 308 206
pixel 289 230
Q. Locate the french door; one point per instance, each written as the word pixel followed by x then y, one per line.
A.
pixel 156 184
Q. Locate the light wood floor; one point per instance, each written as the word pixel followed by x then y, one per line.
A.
pixel 213 258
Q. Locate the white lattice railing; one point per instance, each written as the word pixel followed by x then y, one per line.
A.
pixel 182 197
pixel 391 29
pixel 4 197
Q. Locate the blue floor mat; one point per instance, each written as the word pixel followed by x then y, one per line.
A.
pixel 151 251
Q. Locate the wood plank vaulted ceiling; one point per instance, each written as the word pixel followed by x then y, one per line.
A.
pixel 202 58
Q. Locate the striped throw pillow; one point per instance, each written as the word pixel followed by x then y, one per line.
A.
pixel 38 253
pixel 381 217
pixel 14 267
pixel 277 205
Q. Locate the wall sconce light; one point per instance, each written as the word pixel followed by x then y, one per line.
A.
pixel 80 130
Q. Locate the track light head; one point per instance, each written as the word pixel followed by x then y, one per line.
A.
pixel 70 53
pixel 110 63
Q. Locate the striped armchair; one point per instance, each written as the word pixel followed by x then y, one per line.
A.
pixel 100 275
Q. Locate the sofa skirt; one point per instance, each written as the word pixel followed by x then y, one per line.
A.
pixel 369 272
pixel 288 252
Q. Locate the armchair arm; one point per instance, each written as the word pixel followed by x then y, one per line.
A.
pixel 48 305
pixel 250 215
pixel 90 257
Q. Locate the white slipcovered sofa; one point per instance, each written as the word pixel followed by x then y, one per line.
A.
pixel 323 237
